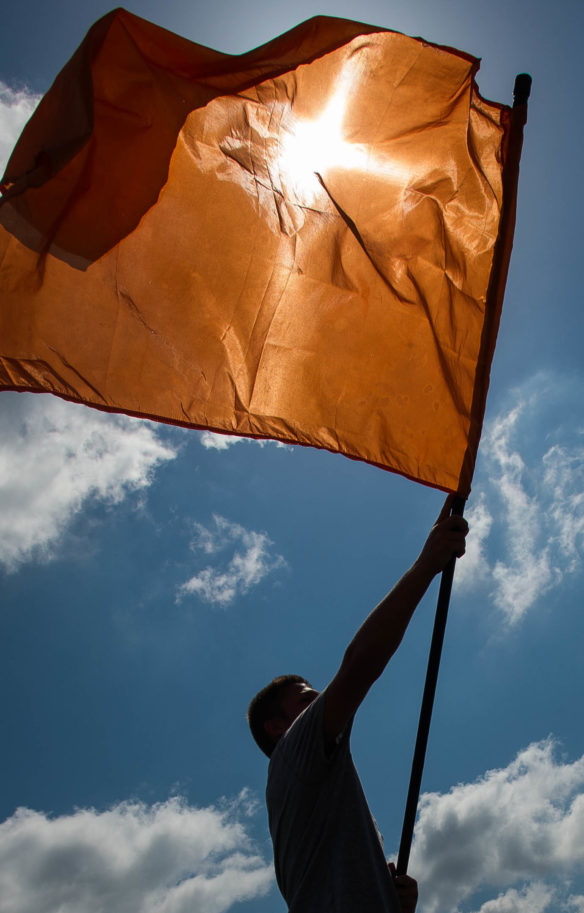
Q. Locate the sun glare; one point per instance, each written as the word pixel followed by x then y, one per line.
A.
pixel 309 148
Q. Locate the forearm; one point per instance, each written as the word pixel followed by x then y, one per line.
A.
pixel 382 631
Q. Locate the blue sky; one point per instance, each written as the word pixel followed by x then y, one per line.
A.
pixel 154 578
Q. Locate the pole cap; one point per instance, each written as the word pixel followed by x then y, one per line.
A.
pixel 521 89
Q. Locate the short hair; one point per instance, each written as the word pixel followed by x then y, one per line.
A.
pixel 266 705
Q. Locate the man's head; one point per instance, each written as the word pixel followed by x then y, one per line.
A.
pixel 275 707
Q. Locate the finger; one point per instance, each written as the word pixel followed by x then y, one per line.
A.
pixel 457 524
pixel 391 867
pixel 456 544
pixel 406 881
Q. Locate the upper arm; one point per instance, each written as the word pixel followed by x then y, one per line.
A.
pixel 342 697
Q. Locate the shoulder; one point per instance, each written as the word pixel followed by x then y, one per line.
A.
pixel 307 728
pixel 303 747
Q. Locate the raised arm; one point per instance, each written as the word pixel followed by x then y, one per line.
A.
pixel 381 633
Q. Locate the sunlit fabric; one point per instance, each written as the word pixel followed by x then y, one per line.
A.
pixel 294 243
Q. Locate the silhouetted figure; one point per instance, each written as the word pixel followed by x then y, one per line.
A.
pixel 327 848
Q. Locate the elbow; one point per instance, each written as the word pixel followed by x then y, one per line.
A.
pixel 362 667
pixel 365 658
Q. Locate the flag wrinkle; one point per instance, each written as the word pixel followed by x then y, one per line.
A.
pixel 286 209
pixel 149 64
pixel 353 230
pixel 70 367
pixel 264 157
pixel 108 371
pixel 244 356
pixel 240 298
pixel 136 119
pixel 261 169
pixel 340 277
pixel 250 167
pixel 470 301
pixel 479 172
pixel 239 406
pixel 412 65
pixel 440 351
pixel 136 312
pixel 38 375
pixel 461 95
pixel 264 331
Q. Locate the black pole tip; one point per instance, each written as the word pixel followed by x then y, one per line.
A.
pixel 521 89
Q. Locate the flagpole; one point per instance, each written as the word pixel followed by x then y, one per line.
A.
pixel 501 256
pixel 427 705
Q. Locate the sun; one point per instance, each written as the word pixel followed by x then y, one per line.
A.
pixel 308 149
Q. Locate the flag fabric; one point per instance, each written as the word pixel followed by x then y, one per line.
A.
pixel 295 243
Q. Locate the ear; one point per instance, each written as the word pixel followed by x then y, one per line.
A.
pixel 275 727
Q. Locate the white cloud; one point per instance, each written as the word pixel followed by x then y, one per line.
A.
pixel 564 478
pixel 54 457
pixel 16 106
pixel 213 441
pixel 251 561
pixel 133 858
pixel 525 573
pixel 530 494
pixel 513 828
pixel 533 898
pixel 475 568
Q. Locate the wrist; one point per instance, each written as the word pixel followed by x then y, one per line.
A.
pixel 425 567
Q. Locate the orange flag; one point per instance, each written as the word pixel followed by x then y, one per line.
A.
pixel 295 243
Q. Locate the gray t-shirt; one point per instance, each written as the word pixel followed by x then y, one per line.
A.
pixel 327 851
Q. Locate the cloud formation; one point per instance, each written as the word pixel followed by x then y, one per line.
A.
pixel 250 562
pixel 519 829
pixel 54 457
pixel 533 898
pixel 132 858
pixel 530 494
pixel 213 441
pixel 16 106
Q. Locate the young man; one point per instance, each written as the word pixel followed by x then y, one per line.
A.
pixel 327 850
